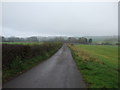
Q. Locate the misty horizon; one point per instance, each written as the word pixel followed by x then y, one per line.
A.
pixel 60 36
pixel 25 19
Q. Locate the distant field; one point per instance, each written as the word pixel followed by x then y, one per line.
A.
pixel 21 43
pixel 109 42
pixel 98 64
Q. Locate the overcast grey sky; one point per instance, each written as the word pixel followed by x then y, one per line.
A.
pixel 25 19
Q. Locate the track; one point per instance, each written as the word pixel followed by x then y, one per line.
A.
pixel 59 71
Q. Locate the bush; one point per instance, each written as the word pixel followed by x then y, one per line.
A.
pixel 11 52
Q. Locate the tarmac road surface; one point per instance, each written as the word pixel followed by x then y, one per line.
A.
pixel 59 71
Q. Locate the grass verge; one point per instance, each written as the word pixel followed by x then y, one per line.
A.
pixel 98 65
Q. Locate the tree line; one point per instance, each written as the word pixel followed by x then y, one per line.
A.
pixel 81 40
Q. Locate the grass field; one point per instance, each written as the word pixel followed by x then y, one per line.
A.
pixel 22 43
pixel 109 42
pixel 98 64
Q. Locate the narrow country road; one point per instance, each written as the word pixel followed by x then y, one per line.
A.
pixel 59 71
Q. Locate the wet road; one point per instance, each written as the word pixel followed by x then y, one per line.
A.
pixel 59 71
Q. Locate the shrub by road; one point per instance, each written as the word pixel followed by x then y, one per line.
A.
pixel 19 58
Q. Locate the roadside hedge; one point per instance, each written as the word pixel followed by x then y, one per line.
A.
pixel 11 52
